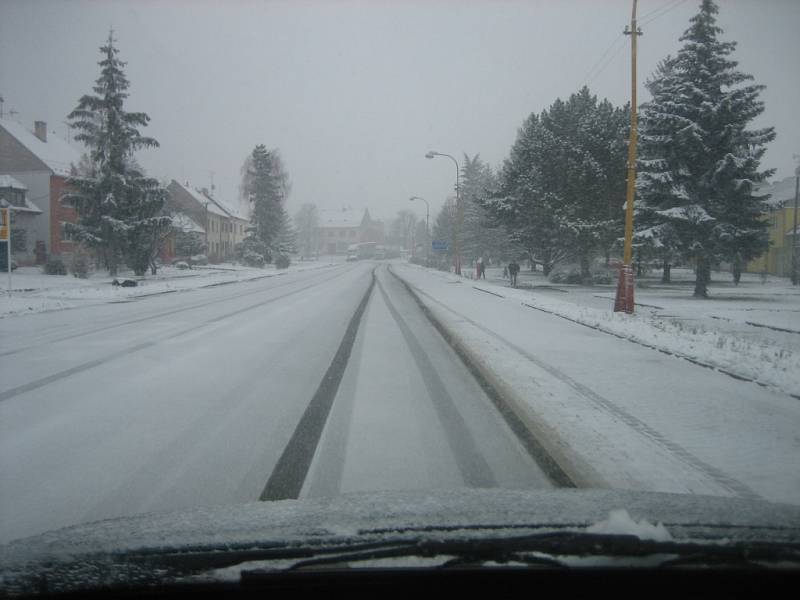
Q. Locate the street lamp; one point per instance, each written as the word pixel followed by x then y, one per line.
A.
pixel 459 212
pixel 427 229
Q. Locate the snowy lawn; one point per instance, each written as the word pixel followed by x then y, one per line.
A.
pixel 751 330
pixel 32 291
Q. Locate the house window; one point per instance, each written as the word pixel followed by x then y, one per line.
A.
pixel 66 235
pixel 331 233
pixel 13 196
pixel 352 233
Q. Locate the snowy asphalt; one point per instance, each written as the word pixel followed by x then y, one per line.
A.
pixel 309 384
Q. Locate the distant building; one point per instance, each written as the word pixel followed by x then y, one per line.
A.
pixel 224 227
pixel 41 163
pixel 778 259
pixel 341 228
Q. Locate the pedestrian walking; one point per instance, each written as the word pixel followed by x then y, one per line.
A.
pixel 513 269
pixel 481 269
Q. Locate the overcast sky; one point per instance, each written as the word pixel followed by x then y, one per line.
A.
pixel 354 93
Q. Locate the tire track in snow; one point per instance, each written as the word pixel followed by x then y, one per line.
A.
pixel 535 449
pixel 729 483
pixel 38 383
pixel 289 474
pixel 473 467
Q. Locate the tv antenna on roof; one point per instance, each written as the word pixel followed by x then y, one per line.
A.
pixel 11 112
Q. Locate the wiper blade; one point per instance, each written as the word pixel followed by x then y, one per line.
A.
pixel 551 550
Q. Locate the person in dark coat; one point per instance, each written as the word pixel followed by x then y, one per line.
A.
pixel 513 269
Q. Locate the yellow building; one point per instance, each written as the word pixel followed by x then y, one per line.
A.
pixel 778 259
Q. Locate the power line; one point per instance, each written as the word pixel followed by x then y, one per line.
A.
pixel 607 62
pixel 655 10
pixel 585 79
pixel 675 4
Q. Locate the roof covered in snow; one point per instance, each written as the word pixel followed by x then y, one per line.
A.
pixel 779 191
pixel 7 181
pixel 57 154
pixel 342 217
pixel 183 222
pixel 215 206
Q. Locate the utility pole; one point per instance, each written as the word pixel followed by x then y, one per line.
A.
pixel 624 299
pixel 795 258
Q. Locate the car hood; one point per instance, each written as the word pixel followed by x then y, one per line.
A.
pixel 455 514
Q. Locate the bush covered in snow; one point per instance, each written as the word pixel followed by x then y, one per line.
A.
pixel 79 266
pixel 282 261
pixel 54 266
pixel 198 259
pixel 566 275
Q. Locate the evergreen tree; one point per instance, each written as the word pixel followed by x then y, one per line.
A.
pixel 480 236
pixel 699 162
pixel 119 208
pixel 265 184
pixel 286 242
pixel 560 189
pixel 443 226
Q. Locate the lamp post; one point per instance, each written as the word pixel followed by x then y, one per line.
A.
pixel 427 229
pixel 459 213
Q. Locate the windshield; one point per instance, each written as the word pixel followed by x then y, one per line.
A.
pixel 288 253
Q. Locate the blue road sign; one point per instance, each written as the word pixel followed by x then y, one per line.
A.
pixel 438 245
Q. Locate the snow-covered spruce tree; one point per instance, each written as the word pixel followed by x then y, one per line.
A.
pixel 265 185
pixel 558 186
pixel 521 206
pixel 698 161
pixel 286 242
pixel 442 230
pixel 480 236
pixel 119 208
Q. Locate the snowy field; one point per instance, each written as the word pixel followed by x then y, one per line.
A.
pixel 623 415
pixel 32 291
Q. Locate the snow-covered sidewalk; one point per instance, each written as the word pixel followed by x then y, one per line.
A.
pixel 33 292
pixel 622 415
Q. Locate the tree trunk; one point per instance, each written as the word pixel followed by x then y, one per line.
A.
pixel 665 275
pixel 701 278
pixel 586 277
pixel 737 271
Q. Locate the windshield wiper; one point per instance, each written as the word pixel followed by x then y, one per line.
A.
pixel 552 550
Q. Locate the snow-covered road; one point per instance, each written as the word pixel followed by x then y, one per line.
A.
pixel 193 399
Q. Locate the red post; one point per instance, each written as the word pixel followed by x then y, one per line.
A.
pixel 624 299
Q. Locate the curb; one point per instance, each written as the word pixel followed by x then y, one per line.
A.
pixel 563 469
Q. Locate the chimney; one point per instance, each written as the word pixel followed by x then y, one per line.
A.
pixel 40 130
